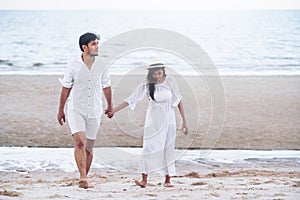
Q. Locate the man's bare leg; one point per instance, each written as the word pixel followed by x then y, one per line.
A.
pixel 79 153
pixel 80 157
pixel 89 154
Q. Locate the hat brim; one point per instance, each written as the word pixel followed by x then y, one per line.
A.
pixel 157 65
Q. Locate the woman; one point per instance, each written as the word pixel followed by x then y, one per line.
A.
pixel 160 122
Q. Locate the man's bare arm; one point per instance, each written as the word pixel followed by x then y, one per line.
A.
pixel 63 98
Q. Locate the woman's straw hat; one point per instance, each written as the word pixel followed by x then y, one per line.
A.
pixel 155 64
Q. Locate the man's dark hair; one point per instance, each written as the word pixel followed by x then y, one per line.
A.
pixel 86 38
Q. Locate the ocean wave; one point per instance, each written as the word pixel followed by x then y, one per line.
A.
pixel 24 159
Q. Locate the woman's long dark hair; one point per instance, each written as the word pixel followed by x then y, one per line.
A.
pixel 152 81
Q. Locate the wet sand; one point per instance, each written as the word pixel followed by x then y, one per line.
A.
pixel 260 113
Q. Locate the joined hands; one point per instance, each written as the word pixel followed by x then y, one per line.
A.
pixel 109 112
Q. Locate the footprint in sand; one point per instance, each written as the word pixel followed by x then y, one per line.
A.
pixel 10 193
pixel 198 183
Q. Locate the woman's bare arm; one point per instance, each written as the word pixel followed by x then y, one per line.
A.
pixel 184 125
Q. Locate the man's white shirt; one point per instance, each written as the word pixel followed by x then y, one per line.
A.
pixel 87 84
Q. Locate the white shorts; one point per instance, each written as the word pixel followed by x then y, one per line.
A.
pixel 80 123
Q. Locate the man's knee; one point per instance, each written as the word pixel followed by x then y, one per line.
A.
pixel 79 145
pixel 79 140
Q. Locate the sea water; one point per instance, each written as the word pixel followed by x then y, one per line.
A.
pixel 257 42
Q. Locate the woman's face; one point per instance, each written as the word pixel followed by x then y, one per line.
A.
pixel 158 75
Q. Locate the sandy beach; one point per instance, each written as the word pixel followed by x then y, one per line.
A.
pixel 262 112
pixel 267 180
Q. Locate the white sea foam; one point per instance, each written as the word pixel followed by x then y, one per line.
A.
pixel 24 159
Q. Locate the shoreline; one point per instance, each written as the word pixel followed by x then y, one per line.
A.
pixel 177 148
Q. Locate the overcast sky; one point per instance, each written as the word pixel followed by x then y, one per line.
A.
pixel 149 4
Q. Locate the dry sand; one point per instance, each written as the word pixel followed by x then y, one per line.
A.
pixel 194 181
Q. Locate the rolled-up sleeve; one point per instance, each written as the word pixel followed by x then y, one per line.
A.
pixel 138 94
pixel 105 81
pixel 176 96
pixel 68 79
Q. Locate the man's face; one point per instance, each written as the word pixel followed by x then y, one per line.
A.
pixel 92 48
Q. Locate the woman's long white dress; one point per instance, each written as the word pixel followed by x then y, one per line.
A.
pixel 160 126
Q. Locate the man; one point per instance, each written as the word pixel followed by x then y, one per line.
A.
pixel 83 86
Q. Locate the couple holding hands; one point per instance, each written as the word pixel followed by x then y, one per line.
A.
pixel 84 109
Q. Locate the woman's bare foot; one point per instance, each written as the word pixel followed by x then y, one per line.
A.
pixel 142 184
pixel 168 182
pixel 83 183
pixel 168 185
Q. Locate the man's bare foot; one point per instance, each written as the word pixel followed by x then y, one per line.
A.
pixel 83 183
pixel 142 184
pixel 168 185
